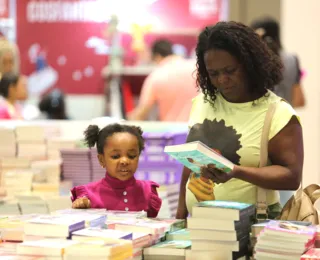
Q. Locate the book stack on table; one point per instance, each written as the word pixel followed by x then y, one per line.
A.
pixel 83 234
pixel 220 229
pixel 284 240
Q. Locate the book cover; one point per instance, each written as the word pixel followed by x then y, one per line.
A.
pixel 223 209
pixel 182 234
pixel 286 227
pixel 224 204
pixel 49 243
pixel 80 211
pixel 117 214
pixel 175 224
pixel 91 220
pixel 195 155
pixel 177 244
pixel 70 221
pixel 257 228
pixel 103 233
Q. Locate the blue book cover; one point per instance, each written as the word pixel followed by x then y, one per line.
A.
pixel 224 204
pixel 194 155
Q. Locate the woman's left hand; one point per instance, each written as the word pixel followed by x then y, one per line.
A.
pixel 216 175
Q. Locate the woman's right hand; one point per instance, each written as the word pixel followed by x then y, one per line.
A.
pixel 81 203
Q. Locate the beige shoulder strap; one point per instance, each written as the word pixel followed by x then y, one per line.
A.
pixel 261 203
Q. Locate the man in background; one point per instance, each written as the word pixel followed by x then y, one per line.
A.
pixel 171 86
pixel 290 88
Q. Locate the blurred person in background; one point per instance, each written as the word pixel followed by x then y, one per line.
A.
pixel 53 105
pixel 171 86
pixel 290 87
pixel 10 63
pixel 9 56
pixel 13 88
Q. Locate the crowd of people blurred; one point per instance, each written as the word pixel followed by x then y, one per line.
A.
pixel 170 86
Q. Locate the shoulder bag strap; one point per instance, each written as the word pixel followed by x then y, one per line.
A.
pixel 261 204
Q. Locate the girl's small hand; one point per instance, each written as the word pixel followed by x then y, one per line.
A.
pixel 216 175
pixel 81 203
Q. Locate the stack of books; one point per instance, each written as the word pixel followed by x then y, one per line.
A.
pixel 9 206
pixel 8 250
pixel 99 249
pixel 118 215
pixel 92 234
pixel 12 227
pixel 8 147
pixel 32 204
pixel 168 250
pixel 156 229
pixel 181 234
pixel 284 240
pixel 29 203
pixel 46 178
pixel 12 180
pixel 70 211
pixel 42 204
pixel 170 198
pixel 31 142
pixel 53 226
pixel 220 229
pixel 92 217
pixel 257 228
pixel 47 171
pixel 12 163
pixel 138 240
pixel 47 248
pixel 56 144
pixel 77 165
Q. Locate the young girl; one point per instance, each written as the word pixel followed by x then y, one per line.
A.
pixel 13 88
pixel 119 148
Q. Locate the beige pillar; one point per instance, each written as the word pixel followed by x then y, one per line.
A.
pixel 300 22
pixel 247 10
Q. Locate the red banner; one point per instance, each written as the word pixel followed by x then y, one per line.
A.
pixel 4 9
pixel 62 43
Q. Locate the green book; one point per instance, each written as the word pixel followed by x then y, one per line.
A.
pixel 226 210
pixel 178 244
pixel 182 234
pixel 168 248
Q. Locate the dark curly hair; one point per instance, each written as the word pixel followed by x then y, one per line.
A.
pixel 262 67
pixel 95 136
pixel 8 80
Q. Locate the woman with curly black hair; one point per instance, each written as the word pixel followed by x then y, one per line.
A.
pixel 236 72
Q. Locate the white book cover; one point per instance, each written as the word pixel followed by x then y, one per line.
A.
pixel 103 233
pixel 66 220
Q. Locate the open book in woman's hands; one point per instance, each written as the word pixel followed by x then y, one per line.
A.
pixel 195 155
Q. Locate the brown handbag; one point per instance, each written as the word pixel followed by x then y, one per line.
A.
pixel 300 207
